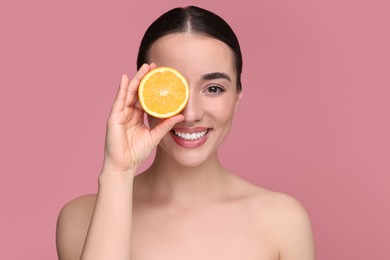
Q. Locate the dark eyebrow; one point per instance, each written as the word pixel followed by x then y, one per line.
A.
pixel 216 75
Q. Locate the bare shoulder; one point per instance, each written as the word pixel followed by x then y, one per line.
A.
pixel 283 218
pixel 263 197
pixel 72 226
pixel 275 204
pixel 291 227
pixel 280 205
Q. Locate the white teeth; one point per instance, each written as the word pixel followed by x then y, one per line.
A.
pixel 191 136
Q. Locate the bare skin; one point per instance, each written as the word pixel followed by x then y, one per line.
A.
pixel 186 205
pixel 246 223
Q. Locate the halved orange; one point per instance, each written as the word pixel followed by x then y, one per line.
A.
pixel 163 92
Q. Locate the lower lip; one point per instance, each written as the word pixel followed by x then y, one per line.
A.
pixel 190 143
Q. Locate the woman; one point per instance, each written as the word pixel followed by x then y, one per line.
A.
pixel 186 205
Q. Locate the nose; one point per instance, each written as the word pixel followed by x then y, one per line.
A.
pixel 193 111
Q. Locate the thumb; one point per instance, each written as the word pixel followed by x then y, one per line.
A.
pixel 160 130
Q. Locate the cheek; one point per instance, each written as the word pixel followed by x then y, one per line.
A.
pixel 222 110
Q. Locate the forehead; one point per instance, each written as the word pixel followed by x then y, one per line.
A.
pixel 193 54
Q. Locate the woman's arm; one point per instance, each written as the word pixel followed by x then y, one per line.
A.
pixel 128 143
pixel 98 227
pixel 109 234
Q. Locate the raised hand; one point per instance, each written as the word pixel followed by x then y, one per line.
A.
pixel 128 140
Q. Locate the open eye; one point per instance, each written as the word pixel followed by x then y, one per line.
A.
pixel 214 89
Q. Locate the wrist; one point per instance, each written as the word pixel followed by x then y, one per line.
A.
pixel 112 175
pixel 111 168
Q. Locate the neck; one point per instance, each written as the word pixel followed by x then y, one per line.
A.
pixel 169 181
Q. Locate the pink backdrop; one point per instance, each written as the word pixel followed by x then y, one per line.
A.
pixel 314 121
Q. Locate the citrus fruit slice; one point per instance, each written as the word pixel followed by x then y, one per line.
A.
pixel 163 92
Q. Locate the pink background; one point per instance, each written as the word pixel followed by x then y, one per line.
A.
pixel 314 121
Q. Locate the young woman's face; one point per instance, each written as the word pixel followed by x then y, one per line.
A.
pixel 208 65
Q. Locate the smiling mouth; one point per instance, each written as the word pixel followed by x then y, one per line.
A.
pixel 191 136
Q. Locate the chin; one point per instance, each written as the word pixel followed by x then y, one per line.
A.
pixel 190 161
pixel 183 156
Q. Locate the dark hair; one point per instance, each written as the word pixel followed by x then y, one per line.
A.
pixel 191 19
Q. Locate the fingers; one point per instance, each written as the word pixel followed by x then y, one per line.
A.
pixel 152 66
pixel 121 95
pixel 160 130
pixel 128 89
pixel 134 83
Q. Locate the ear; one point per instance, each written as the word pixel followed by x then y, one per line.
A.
pixel 239 96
